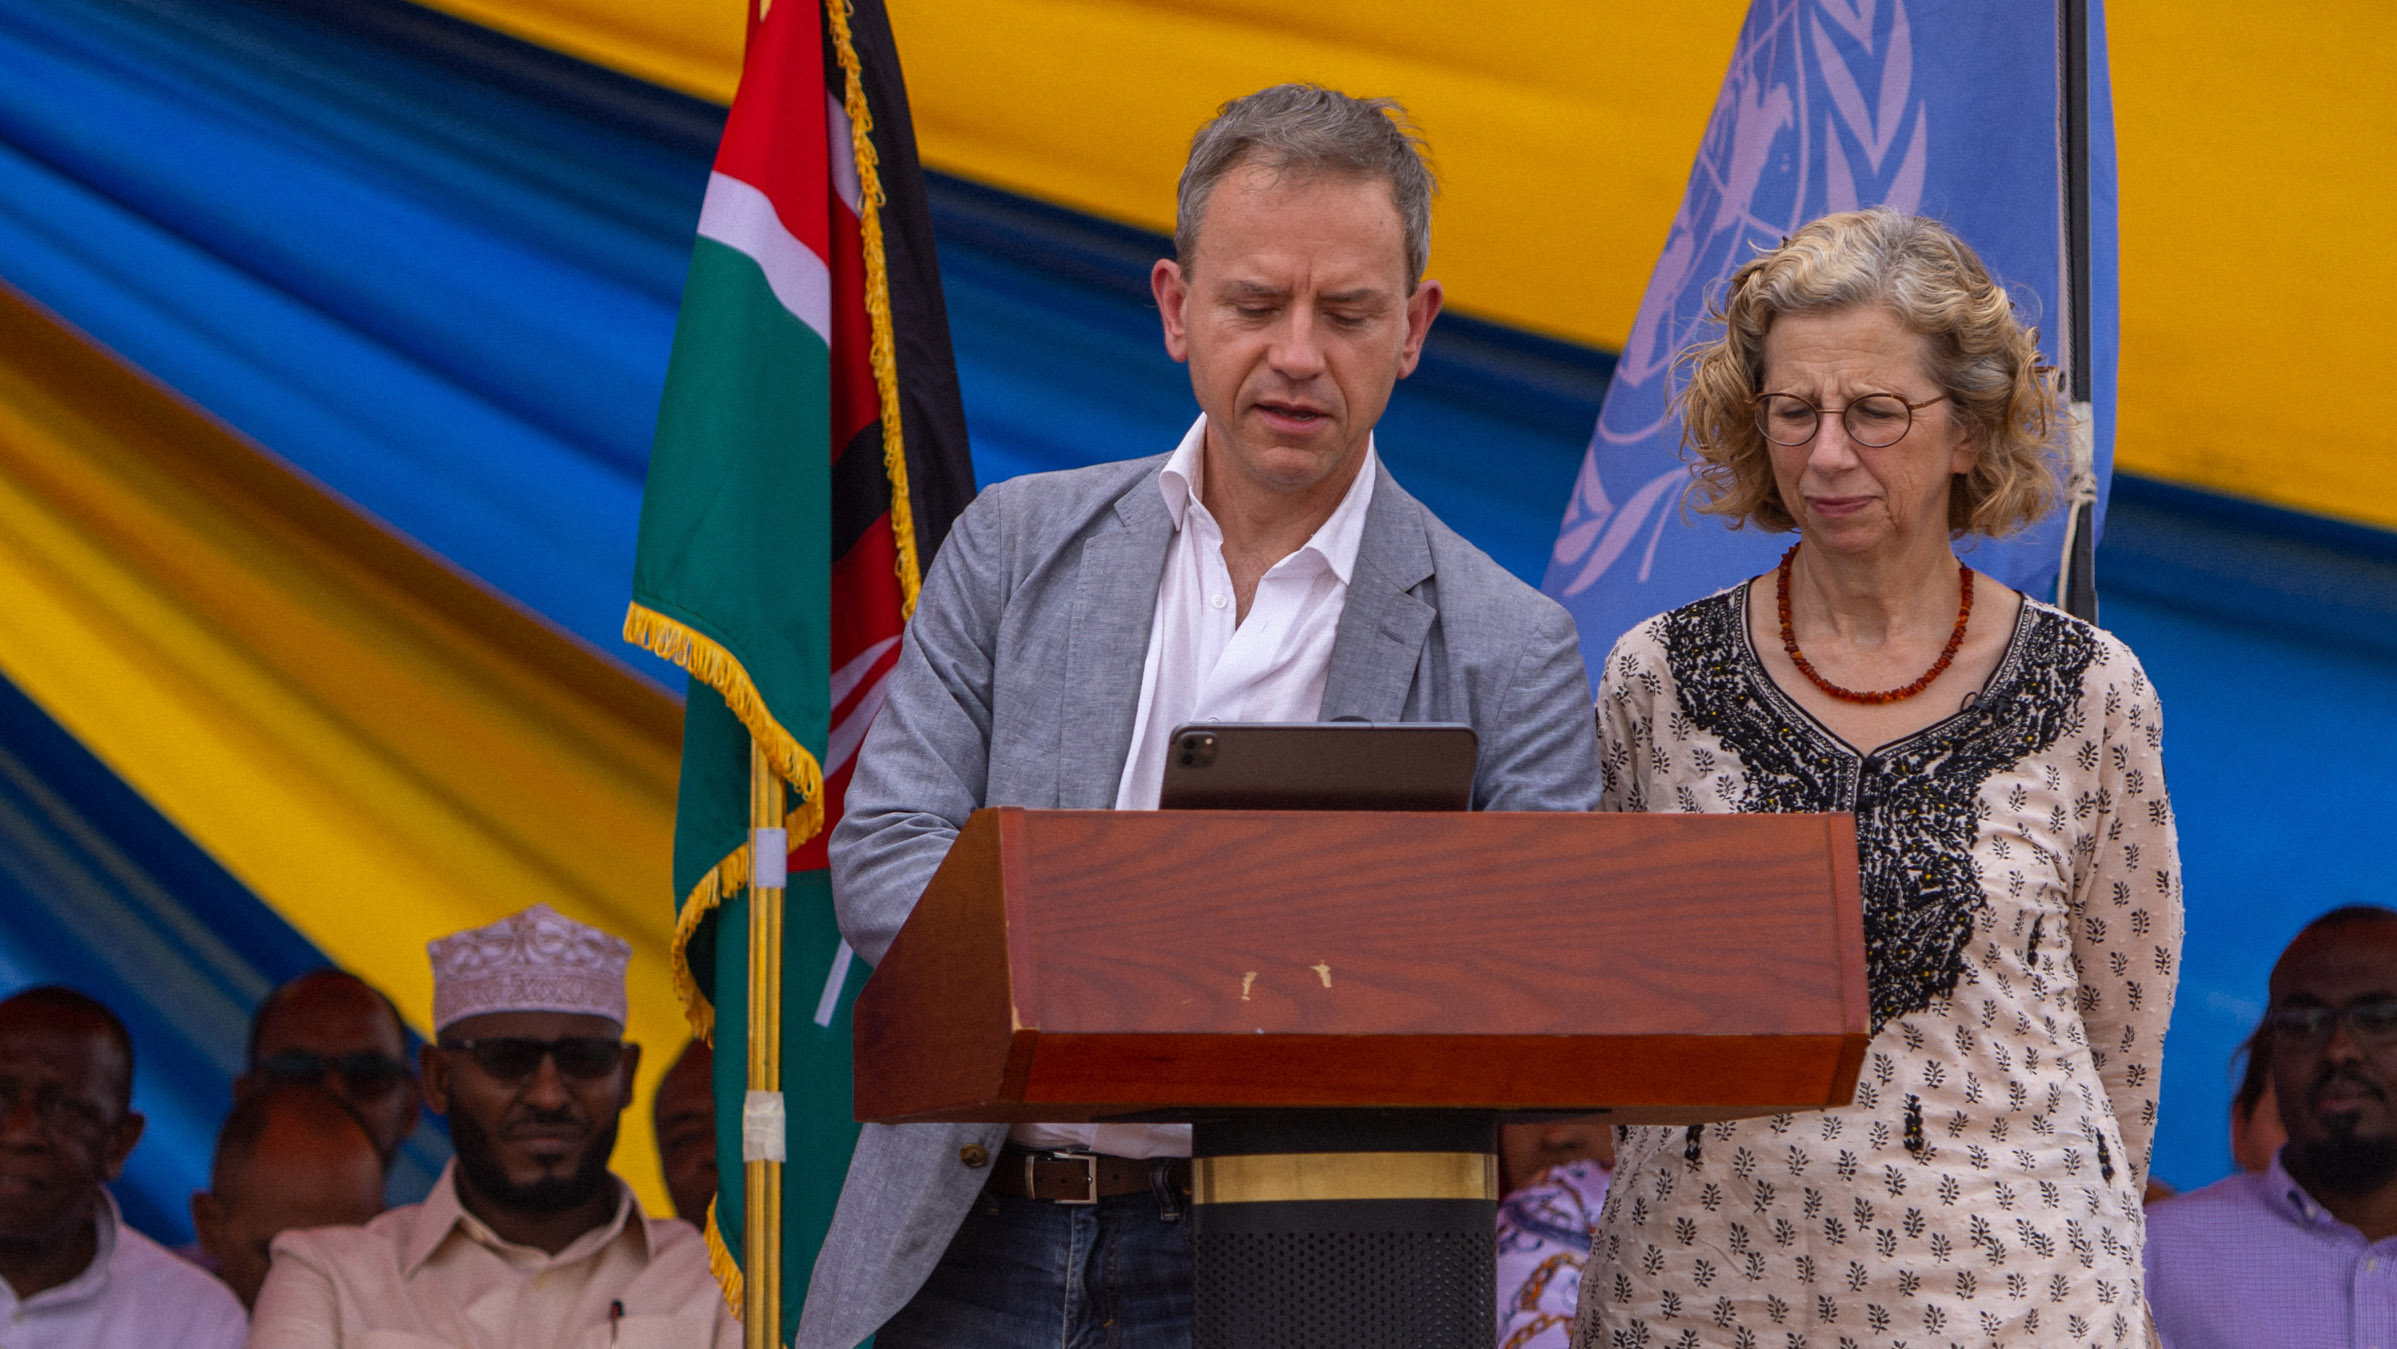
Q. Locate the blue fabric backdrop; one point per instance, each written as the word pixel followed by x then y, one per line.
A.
pixel 447 297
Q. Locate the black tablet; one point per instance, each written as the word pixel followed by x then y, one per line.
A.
pixel 1321 765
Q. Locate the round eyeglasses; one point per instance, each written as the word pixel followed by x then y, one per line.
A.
pixel 1873 421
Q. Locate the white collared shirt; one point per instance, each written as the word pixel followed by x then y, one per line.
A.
pixel 432 1274
pixel 135 1294
pixel 1205 663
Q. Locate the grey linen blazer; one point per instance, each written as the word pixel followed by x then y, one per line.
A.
pixel 1017 685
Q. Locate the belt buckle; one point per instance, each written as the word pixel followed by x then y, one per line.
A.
pixel 1090 1172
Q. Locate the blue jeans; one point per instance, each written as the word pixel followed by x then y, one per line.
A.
pixel 1032 1274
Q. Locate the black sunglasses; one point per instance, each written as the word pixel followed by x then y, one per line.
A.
pixel 364 1072
pixel 513 1058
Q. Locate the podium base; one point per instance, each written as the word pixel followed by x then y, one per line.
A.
pixel 1345 1228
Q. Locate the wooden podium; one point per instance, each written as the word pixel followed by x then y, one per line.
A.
pixel 1345 1003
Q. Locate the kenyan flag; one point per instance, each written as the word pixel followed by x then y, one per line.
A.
pixel 810 455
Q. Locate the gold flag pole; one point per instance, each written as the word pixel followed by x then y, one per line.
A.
pixel 762 1120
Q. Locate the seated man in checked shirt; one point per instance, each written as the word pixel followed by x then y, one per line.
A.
pixel 2302 1255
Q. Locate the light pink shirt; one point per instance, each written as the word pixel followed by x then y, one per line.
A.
pixel 432 1274
pixel 1207 664
pixel 135 1294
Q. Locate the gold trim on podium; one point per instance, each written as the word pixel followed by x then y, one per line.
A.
pixel 1306 1177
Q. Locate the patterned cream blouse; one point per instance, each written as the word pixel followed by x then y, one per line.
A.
pixel 2022 901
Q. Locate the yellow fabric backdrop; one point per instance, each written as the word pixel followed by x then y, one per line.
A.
pixel 2256 177
pixel 2258 183
pixel 378 748
pixel 691 45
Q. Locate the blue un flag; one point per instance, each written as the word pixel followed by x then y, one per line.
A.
pixel 1947 108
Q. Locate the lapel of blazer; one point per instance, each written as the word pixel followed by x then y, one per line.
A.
pixel 1115 603
pixel 1383 628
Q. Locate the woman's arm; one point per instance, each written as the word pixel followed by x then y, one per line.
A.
pixel 2126 901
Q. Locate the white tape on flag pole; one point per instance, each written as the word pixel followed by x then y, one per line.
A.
pixel 769 858
pixel 762 1128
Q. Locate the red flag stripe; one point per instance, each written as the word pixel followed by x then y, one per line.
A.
pixel 781 105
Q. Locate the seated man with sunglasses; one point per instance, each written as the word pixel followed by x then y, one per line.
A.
pixel 2302 1255
pixel 527 1240
pixel 335 1030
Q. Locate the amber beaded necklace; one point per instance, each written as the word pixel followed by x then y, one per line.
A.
pixel 1789 642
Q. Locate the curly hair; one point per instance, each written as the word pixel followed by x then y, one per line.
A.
pixel 1981 353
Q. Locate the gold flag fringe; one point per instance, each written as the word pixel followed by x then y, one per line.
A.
pixel 727 877
pixel 878 304
pixel 719 669
pixel 708 662
pixel 722 879
pixel 721 1264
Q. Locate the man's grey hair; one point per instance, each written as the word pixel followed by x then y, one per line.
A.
pixel 1308 129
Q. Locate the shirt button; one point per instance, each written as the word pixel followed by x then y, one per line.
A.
pixel 1216 600
pixel 974 1155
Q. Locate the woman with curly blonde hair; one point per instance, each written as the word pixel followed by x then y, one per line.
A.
pixel 1874 391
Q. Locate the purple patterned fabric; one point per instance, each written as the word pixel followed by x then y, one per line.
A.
pixel 1543 1240
pixel 2253 1262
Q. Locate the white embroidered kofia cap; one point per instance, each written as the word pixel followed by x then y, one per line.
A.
pixel 538 960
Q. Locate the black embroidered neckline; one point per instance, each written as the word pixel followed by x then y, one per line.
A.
pixel 2009 668
pixel 1916 799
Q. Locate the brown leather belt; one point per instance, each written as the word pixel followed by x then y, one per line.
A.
pixel 1081 1177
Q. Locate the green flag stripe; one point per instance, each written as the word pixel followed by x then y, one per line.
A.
pixel 737 474
pixel 735 522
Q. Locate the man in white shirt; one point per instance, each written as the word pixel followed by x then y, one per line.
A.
pixel 527 1240
pixel 71 1272
pixel 1269 569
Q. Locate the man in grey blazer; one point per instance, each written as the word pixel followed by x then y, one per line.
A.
pixel 1267 570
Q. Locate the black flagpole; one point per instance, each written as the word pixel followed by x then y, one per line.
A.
pixel 2076 582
